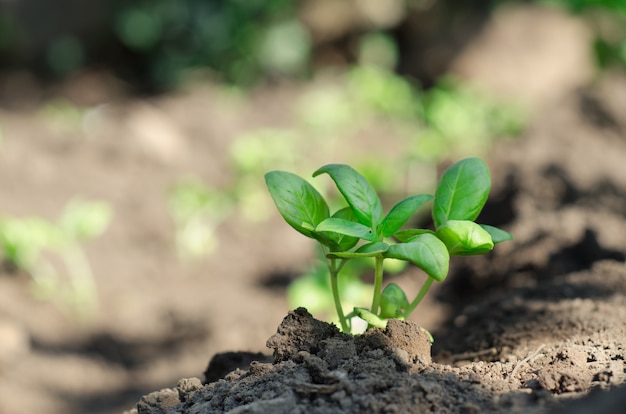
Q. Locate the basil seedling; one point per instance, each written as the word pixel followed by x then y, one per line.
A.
pixel 361 229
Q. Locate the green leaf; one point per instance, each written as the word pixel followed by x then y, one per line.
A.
pixel 302 207
pixel 342 241
pixel 361 197
pixel 464 238
pixel 405 235
pixel 346 227
pixel 462 191
pixel 367 250
pixel 393 301
pixel 426 252
pixel 401 212
pixel 497 235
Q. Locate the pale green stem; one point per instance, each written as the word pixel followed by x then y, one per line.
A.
pixel 419 297
pixel 85 295
pixel 335 288
pixel 378 283
pixel 334 270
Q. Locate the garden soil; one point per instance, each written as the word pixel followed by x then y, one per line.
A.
pixel 537 325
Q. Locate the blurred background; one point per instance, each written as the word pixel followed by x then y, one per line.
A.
pixel 137 238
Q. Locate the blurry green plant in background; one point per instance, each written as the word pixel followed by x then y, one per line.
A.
pixel 255 151
pixel 197 211
pixel 157 42
pixel 52 254
pixel 460 120
pixel 238 40
pixel 245 41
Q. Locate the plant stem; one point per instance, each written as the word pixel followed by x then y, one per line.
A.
pixel 334 269
pixel 84 292
pixel 335 288
pixel 378 283
pixel 419 297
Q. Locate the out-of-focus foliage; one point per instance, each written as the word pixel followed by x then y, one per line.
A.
pixel 154 43
pixel 52 253
pixel 196 211
pixel 237 39
pixel 460 120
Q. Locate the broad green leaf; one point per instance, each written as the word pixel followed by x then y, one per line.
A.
pixel 361 197
pixel 367 250
pixel 462 191
pixel 302 207
pixel 405 235
pixel 393 301
pixel 346 227
pixel 497 235
pixel 426 252
pixel 464 238
pixel 342 241
pixel 401 212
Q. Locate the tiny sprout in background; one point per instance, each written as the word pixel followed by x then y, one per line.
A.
pixel 197 211
pixel 52 253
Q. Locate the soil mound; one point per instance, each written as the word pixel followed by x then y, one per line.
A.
pixel 318 369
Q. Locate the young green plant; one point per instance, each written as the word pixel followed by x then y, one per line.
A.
pixel 50 250
pixel 362 230
pixel 197 211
